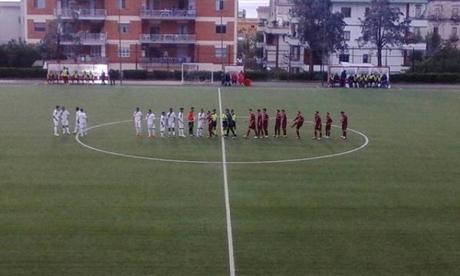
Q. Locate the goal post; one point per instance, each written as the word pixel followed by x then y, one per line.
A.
pixel 198 72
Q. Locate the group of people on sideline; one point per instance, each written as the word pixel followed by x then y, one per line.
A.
pixel 235 79
pixel 80 77
pixel 373 80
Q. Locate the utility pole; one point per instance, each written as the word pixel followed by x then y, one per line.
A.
pixel 120 75
pixel 221 6
pixel 323 38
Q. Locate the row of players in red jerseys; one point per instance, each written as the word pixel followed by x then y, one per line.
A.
pixel 258 122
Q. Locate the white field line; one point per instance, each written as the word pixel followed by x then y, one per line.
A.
pixel 365 144
pixel 231 257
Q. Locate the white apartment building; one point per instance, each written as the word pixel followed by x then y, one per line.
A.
pixel 444 18
pixel 11 21
pixel 282 48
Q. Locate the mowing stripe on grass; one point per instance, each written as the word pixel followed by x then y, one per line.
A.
pixel 231 258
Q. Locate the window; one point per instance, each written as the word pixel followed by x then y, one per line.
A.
pixel 39 27
pixel 221 52
pixel 124 52
pixel 123 28
pixel 454 11
pixel 366 58
pixel 346 35
pixel 122 4
pixel 221 29
pixel 346 11
pixel 367 11
pixel 418 11
pixel 39 4
pixel 219 5
pixel 454 31
pixel 344 58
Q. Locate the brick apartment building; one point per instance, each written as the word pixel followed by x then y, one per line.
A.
pixel 142 34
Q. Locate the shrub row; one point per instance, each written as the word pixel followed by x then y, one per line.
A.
pixel 426 78
pixel 22 73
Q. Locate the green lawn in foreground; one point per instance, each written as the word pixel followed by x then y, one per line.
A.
pixel 392 208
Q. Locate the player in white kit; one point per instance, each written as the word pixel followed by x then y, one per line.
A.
pixel 163 122
pixel 56 118
pixel 65 120
pixel 137 117
pixel 150 118
pixel 82 123
pixel 77 113
pixel 171 116
pixel 180 122
pixel 201 119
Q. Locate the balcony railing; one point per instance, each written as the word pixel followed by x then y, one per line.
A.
pixel 165 60
pixel 82 14
pixel 167 14
pixel 84 39
pixel 168 38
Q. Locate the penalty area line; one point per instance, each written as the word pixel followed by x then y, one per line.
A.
pixel 231 257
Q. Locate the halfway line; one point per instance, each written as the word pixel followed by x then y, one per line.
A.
pixel 231 258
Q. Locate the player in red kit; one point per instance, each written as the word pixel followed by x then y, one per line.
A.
pixel 265 118
pixel 251 124
pixel 318 126
pixel 298 123
pixel 344 121
pixel 277 124
pixel 284 122
pixel 260 131
pixel 328 125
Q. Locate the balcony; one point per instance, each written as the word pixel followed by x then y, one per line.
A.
pixel 167 14
pixel 84 39
pixel 82 14
pixel 168 38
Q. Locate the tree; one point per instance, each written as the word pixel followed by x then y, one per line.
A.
pixel 382 26
pixel 247 47
pixel 319 28
pixel 18 54
pixel 433 43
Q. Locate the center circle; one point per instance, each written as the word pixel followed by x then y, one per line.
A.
pixel 151 158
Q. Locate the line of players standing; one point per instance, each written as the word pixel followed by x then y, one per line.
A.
pixel 257 122
pixel 60 118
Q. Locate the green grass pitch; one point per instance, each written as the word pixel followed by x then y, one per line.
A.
pixel 392 208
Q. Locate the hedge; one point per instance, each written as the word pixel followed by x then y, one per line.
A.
pixel 22 73
pixel 426 78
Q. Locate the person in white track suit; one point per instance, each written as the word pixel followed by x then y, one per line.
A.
pixel 82 123
pixel 77 113
pixel 150 118
pixel 163 123
pixel 171 116
pixel 65 121
pixel 180 122
pixel 137 118
pixel 56 117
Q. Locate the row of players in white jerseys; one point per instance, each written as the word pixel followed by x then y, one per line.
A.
pixel 170 122
pixel 61 116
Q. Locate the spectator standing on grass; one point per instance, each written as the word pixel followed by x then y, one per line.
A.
pixel 343 78
pixel 103 77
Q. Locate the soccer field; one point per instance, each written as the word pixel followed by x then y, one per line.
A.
pixel 141 206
